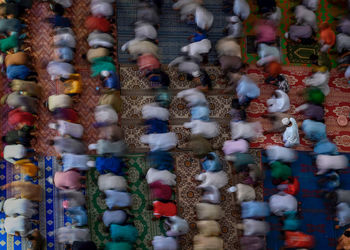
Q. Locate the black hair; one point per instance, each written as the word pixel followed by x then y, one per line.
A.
pixel 235 104
pixel 58 9
pixel 210 157
pixel 3 139
pixel 347 233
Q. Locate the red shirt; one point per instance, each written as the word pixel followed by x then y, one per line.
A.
pixel 18 116
pixel 292 188
pixel 66 114
pixel 161 209
pixel 298 240
pixel 160 191
pixel 328 36
pixel 97 23
pixel 147 62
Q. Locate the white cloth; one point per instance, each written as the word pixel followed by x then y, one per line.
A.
pixel 58 69
pixel 75 198
pixel 145 31
pixel 255 227
pixel 59 101
pixel 347 73
pixel 279 102
pixel 163 142
pixel 319 80
pixel 197 48
pixel 65 39
pixel 193 96
pixel 188 9
pixel 14 151
pixel 245 130
pixel 275 16
pixel 206 211
pixel 111 182
pixel 211 194
pixel 64 3
pixel 203 128
pixel 105 114
pixel 235 30
pixel 268 54
pixel 102 9
pixel 164 243
pixel 136 47
pixel 208 228
pixel 178 226
pixel 181 3
pixel 204 18
pixel 311 4
pixel 68 128
pixel 18 224
pixel 228 47
pixel 166 177
pixel 241 8
pixel 24 207
pixel 73 161
pixel 306 16
pixel 244 193
pixel 154 111
pixel 291 135
pixel 185 66
pixel 278 153
pixel 342 42
pixel 218 179
pixel 69 234
pixel 282 202
pixel 325 163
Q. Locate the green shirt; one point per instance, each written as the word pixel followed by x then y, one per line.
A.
pixel 280 170
pixel 315 96
pixel 242 160
pixel 118 246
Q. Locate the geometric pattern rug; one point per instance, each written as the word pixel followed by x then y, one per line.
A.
pixel 147 229
pixel 51 214
pixel 316 218
pixel 173 34
pixel 136 92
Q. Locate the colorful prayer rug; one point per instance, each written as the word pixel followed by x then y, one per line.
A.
pixel 147 228
pixel 136 92
pixel 317 220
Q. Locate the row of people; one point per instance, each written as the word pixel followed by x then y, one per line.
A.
pixel 23 102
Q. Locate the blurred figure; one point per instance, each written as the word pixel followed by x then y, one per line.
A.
pixel 327 37
pixel 300 34
pixel 247 90
pixel 265 31
pixel 266 6
pixel 234 28
pixel 291 134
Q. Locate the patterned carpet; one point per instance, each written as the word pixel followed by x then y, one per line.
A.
pixel 136 93
pixel 173 34
pixel 41 43
pixel 51 214
pixel 147 228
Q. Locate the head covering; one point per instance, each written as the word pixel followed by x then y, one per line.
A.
pixel 285 121
pixel 233 19
pixel 196 74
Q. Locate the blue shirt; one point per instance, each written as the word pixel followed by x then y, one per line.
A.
pixel 112 81
pixel 113 165
pixel 313 130
pixel 247 89
pixel 200 113
pixel 212 165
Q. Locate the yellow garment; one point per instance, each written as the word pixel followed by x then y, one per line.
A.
pixel 27 167
pixel 73 85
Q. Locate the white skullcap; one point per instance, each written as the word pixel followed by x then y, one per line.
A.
pixel 105 73
pixel 232 19
pixel 196 74
pixel 184 49
pixel 285 121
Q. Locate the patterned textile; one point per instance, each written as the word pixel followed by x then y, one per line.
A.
pixel 316 218
pixel 188 196
pixel 173 34
pixel 300 53
pixel 136 92
pixel 147 228
pixel 40 41
pixel 51 214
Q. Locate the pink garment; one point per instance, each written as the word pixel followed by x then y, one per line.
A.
pixel 265 32
pixel 160 191
pixel 68 180
pixel 239 146
pixel 147 62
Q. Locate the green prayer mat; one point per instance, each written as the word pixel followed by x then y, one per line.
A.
pixel 147 228
pixel 300 53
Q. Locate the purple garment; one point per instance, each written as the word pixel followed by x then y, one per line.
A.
pixel 314 112
pixel 297 32
pixel 252 243
pixel 344 26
